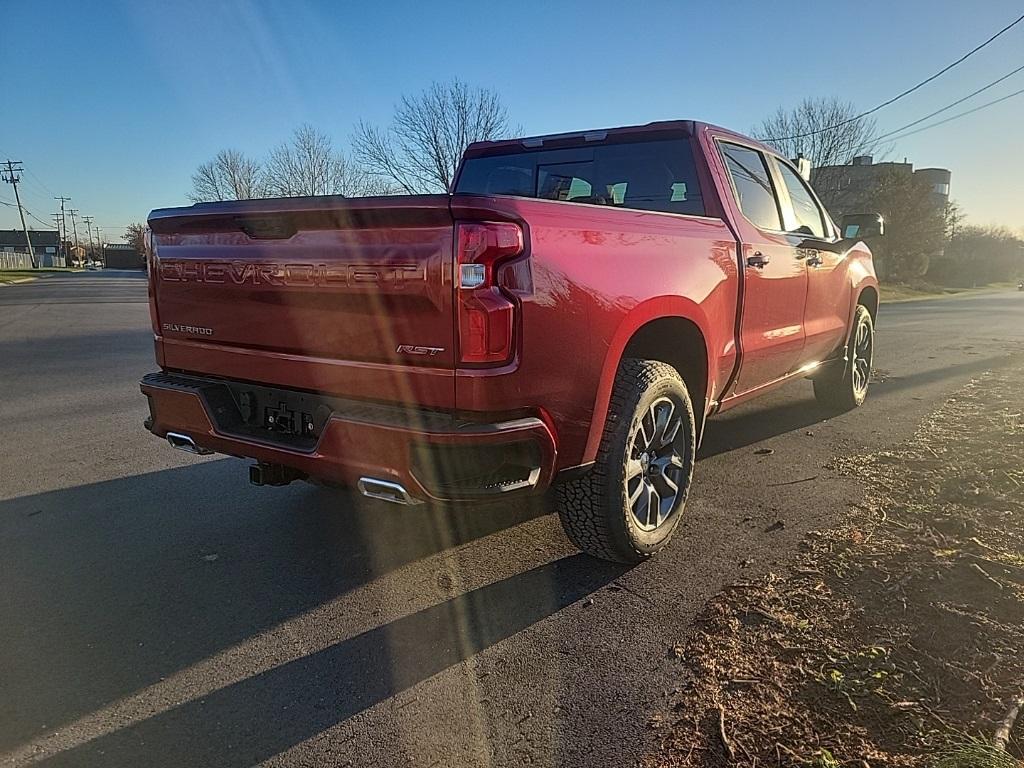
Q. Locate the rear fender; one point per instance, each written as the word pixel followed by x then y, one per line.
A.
pixel 643 313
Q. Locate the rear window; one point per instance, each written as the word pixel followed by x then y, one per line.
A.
pixel 648 175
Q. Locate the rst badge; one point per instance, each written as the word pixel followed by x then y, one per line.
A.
pixel 412 349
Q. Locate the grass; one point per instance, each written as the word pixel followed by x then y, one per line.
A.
pixel 892 292
pixel 975 753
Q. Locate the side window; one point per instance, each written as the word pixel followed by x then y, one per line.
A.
pixel 806 212
pixel 754 191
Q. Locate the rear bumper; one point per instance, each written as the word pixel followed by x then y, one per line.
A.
pixel 432 455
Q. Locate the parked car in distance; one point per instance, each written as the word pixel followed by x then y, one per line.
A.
pixel 570 315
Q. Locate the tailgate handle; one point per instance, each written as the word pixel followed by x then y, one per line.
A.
pixel 266 227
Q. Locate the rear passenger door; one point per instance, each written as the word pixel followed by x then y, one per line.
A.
pixel 774 278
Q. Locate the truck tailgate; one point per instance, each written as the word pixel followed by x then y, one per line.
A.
pixel 349 297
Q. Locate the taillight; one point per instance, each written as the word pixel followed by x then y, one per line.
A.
pixel 486 315
pixel 152 266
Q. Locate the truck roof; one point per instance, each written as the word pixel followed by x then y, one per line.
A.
pixel 685 127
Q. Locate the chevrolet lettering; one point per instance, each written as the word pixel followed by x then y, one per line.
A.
pixel 288 275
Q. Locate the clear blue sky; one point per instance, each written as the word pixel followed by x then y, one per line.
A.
pixel 116 103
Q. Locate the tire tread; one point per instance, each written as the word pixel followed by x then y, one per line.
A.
pixel 583 503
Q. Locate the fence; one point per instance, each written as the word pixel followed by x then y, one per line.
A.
pixel 21 260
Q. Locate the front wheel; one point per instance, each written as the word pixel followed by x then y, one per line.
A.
pixel 627 507
pixel 848 389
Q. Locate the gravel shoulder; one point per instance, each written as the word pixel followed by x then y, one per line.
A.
pixel 892 639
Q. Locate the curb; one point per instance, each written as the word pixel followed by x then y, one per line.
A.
pixel 18 281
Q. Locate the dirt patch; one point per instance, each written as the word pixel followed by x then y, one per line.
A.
pixel 894 639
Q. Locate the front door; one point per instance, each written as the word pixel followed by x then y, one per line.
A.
pixel 828 285
pixel 774 276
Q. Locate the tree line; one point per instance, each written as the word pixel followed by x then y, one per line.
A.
pixel 417 152
pixel 925 241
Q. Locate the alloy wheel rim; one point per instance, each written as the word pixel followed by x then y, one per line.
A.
pixel 862 348
pixel 655 464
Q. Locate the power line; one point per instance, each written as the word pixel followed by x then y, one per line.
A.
pixel 44 223
pixel 40 183
pixel 963 114
pixel 924 82
pixel 27 212
pixel 950 106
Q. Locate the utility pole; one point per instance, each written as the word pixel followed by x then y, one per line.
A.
pixel 56 223
pixel 64 220
pixel 74 227
pixel 99 244
pixel 88 227
pixel 12 177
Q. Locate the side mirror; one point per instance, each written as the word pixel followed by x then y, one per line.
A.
pixel 857 226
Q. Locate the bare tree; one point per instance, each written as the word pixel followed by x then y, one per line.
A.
pixel 309 165
pixel 229 176
pixel 826 131
pixel 135 236
pixel 420 150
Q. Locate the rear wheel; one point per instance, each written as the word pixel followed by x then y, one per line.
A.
pixel 627 507
pixel 848 388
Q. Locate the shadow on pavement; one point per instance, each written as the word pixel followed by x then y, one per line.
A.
pixel 111 586
pixel 975 367
pixel 738 430
pixel 245 723
pixel 753 423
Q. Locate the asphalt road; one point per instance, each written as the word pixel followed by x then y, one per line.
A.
pixel 157 610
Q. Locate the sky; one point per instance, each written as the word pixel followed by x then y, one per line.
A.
pixel 114 104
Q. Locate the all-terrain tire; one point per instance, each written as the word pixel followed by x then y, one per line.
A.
pixel 595 508
pixel 847 388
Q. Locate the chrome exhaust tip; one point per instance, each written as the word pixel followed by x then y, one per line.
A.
pixel 385 490
pixel 186 444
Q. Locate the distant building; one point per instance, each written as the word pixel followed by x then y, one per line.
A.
pixel 836 184
pixel 45 243
pixel 122 256
pixel 939 178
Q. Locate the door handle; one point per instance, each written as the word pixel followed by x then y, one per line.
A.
pixel 758 260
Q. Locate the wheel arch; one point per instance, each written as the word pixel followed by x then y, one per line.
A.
pixel 677 337
pixel 868 296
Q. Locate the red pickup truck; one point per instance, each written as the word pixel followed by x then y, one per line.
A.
pixel 569 316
